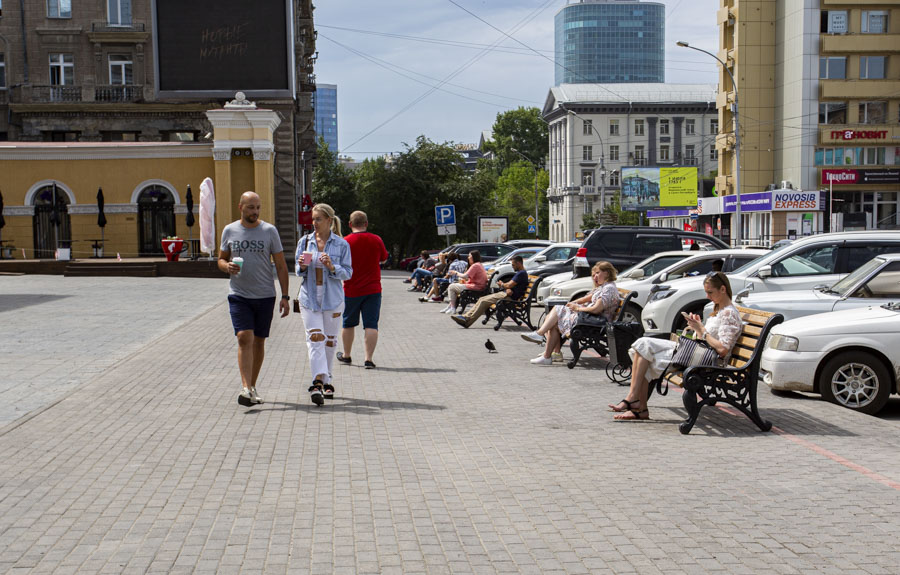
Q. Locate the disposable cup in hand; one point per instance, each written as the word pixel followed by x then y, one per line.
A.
pixel 239 262
pixel 307 258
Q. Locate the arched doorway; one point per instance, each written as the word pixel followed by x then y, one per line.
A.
pixel 51 231
pixel 156 219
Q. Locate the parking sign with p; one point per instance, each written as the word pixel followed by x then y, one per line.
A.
pixel 445 215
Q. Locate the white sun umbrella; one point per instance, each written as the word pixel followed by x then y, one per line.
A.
pixel 207 217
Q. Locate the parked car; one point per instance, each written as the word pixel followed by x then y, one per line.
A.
pixel 526 253
pixel 850 357
pixel 874 283
pixel 489 251
pixel 692 264
pixel 807 262
pixel 624 246
pixel 529 243
pixel 409 264
pixel 548 261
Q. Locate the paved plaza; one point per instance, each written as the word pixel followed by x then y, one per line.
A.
pixel 123 450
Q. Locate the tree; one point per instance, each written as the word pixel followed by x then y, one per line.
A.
pixel 523 129
pixel 332 183
pixel 514 197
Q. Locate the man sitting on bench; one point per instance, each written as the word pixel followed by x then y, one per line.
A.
pixel 514 289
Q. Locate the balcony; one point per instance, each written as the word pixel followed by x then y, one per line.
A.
pixel 104 32
pixel 55 94
pixel 106 94
pixel 858 89
pixel 860 43
pixel 118 93
pixel 588 190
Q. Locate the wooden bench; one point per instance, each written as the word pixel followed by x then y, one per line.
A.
pixel 517 310
pixel 735 383
pixel 589 336
pixel 471 296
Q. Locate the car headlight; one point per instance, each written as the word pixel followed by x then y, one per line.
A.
pixel 784 342
pixel 662 294
pixel 556 291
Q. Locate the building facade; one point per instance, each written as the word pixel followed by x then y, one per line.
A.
pixel 610 41
pixel 596 130
pixel 327 115
pixel 818 93
pixel 88 72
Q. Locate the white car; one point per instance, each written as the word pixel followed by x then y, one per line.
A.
pixel 559 252
pixel 525 252
pixel 851 357
pixel 642 279
pixel 874 283
pixel 804 264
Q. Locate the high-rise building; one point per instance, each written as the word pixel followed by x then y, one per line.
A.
pixel 326 115
pixel 610 42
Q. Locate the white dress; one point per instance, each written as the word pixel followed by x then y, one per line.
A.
pixel 725 327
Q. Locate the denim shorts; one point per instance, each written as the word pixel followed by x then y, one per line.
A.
pixel 255 314
pixel 367 305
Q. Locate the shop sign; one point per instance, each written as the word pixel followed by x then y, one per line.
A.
pixel 757 202
pixel 846 177
pixel 859 134
pixel 796 200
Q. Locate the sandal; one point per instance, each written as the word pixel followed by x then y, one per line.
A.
pixel 628 404
pixel 633 415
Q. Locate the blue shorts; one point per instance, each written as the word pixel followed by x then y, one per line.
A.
pixel 368 305
pixel 255 314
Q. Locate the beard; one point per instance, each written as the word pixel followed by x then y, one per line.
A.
pixel 251 218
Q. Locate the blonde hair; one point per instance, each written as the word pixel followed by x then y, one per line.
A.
pixel 611 273
pixel 328 212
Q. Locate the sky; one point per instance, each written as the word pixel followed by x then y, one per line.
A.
pixel 387 58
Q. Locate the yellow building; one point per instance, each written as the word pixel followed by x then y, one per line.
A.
pixel 144 186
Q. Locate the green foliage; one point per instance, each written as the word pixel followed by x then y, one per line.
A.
pixel 522 129
pixel 514 198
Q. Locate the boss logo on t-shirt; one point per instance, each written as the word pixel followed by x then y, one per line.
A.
pixel 248 245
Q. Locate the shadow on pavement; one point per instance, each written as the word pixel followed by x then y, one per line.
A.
pixel 352 405
pixel 11 301
pixel 729 422
pixel 416 370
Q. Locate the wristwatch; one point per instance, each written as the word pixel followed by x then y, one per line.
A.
pixel 287 297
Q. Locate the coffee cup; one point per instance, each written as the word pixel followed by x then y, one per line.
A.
pixel 239 262
pixel 307 258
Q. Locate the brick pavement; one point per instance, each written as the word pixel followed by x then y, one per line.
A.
pixel 444 460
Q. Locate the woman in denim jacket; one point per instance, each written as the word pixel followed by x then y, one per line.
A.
pixel 323 270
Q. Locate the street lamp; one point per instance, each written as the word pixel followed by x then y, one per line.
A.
pixel 602 160
pixel 737 142
pixel 537 217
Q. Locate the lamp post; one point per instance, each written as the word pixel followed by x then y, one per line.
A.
pixel 537 217
pixel 737 142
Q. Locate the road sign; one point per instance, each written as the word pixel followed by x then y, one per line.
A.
pixel 532 229
pixel 447 230
pixel 445 215
pixel 530 220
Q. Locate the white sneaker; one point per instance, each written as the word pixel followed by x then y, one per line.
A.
pixel 254 397
pixel 450 311
pixel 533 337
pixel 541 360
pixel 556 357
pixel 245 398
pixel 445 309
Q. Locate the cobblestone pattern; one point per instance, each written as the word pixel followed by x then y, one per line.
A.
pixel 446 459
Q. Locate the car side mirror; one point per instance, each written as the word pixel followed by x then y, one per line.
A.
pixel 540 259
pixel 662 277
pixel 636 274
pixel 742 294
pixel 764 272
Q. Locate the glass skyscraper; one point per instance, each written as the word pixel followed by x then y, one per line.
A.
pixel 610 42
pixel 326 115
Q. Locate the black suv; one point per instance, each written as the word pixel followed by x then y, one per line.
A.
pixel 624 246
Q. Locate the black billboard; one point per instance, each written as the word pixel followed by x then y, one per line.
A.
pixel 216 48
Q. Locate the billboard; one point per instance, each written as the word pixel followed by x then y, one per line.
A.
pixel 648 188
pixel 206 48
pixel 493 229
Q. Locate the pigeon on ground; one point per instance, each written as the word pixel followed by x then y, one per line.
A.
pixel 490 346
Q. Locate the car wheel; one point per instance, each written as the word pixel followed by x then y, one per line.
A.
pixel 632 314
pixel 856 380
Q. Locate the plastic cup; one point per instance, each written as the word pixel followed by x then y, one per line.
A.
pixel 239 262
pixel 307 258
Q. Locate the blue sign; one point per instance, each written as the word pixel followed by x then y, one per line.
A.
pixel 445 215
pixel 532 229
pixel 758 202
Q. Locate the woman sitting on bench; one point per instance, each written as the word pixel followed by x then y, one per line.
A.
pixel 603 301
pixel 651 356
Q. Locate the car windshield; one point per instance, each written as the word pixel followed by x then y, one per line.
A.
pixel 850 280
pixel 551 253
pixel 771 256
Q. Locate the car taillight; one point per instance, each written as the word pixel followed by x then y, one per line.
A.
pixel 581 253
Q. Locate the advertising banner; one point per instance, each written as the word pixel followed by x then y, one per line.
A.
pixel 845 177
pixel 649 188
pixel 492 229
pixel 797 201
pixel 758 202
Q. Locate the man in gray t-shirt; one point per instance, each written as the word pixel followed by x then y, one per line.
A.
pixel 251 295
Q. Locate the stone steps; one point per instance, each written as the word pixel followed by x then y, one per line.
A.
pixel 123 269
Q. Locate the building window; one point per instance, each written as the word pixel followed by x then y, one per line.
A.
pixel 689 152
pixel 613 127
pixel 872 67
pixel 689 127
pixel 833 68
pixel 872 156
pixel 2 71
pixel 614 178
pixel 874 22
pixel 62 70
pixel 119 12
pixel 614 153
pixel 664 153
pixel 638 127
pixel 663 127
pixel 120 70
pixel 588 206
pixel 59 8
pixel 714 126
pixel 586 127
pixel 833 22
pixel 120 136
pixel 176 136
pixel 587 153
pixel 587 177
pixel 873 112
pixel 639 155
pixel 713 155
pixel 832 112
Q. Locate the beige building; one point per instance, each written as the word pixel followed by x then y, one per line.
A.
pixel 818 87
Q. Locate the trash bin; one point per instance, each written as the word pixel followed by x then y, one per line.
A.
pixel 172 248
pixel 64 250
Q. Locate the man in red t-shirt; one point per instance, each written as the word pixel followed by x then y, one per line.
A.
pixel 362 292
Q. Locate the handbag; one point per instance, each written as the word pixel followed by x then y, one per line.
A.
pixel 691 352
pixel 590 319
